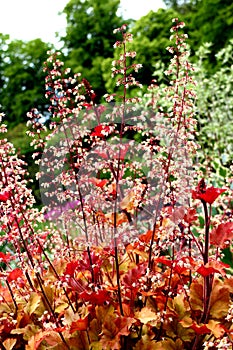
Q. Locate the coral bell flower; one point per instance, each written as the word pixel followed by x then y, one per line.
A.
pixel 208 195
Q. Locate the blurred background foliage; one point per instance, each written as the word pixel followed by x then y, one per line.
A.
pixel 88 48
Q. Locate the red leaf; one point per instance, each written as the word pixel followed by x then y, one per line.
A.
pixel 132 277
pixel 97 298
pixel 4 196
pixel 98 182
pixel 213 267
pixel 14 275
pixel 5 257
pixel 190 216
pixel 222 233
pixel 164 261
pixel 101 130
pixel 122 153
pixel 175 214
pixel 200 329
pixel 206 271
pixel 208 195
pixel 71 267
pixel 179 266
pixel 102 154
pixel 88 105
pixel 184 264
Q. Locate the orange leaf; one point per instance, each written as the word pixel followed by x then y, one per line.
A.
pixel 120 218
pixel 196 296
pixel 131 201
pixel 79 325
pixel 113 328
pixel 146 238
pixel 51 337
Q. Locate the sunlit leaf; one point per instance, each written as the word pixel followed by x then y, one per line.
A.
pixel 216 328
pixel 196 295
pixel 168 344
pixel 146 315
pixel 219 300
pixel 33 303
pixel 9 344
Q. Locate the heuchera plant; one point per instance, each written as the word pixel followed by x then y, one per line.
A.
pixel 127 250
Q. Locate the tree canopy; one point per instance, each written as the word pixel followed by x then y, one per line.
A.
pixel 22 77
pixel 88 47
pixel 89 37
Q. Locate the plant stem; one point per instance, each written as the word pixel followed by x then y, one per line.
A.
pixel 207 229
pixel 12 296
pixel 207 287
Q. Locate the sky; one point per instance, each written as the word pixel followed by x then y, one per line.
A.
pixel 31 19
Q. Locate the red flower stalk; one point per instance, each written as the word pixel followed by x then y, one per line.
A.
pixel 208 195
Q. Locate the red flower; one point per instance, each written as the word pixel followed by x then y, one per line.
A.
pixel 4 196
pixel 208 195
